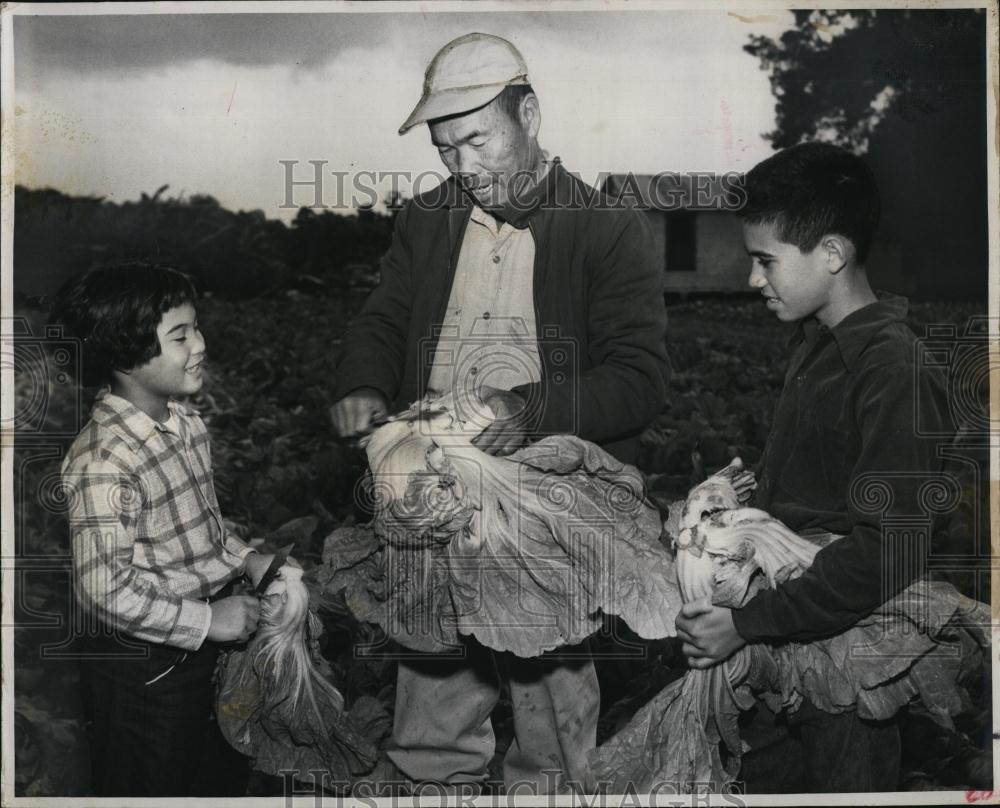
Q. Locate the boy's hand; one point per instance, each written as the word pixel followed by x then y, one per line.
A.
pixel 234 618
pixel 509 431
pixel 354 413
pixel 707 633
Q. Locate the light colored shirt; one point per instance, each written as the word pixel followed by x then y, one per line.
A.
pixel 149 543
pixel 489 335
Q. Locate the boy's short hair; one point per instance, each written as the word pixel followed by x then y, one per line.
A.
pixel 813 189
pixel 114 311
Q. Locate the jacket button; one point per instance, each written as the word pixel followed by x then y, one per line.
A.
pixel 496 259
pixel 486 315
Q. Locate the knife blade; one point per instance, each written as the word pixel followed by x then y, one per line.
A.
pixel 280 557
pixel 375 423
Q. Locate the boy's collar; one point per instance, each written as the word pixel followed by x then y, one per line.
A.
pixel 855 331
pixel 130 423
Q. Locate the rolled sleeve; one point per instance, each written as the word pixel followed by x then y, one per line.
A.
pixel 237 547
pixel 193 623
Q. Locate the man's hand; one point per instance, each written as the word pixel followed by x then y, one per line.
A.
pixel 234 618
pixel 509 430
pixel 353 414
pixel 707 633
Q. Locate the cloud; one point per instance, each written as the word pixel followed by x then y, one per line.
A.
pixel 86 43
pixel 47 44
pixel 116 106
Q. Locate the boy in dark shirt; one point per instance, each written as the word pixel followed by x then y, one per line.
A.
pixel 844 454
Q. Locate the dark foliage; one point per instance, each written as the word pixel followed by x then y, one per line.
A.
pixel 925 137
pixel 234 255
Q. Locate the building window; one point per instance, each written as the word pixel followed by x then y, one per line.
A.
pixel 681 252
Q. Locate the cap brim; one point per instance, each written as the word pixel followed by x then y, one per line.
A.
pixel 451 102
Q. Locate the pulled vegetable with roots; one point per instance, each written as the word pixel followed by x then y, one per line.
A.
pixel 913 647
pixel 526 553
pixel 275 700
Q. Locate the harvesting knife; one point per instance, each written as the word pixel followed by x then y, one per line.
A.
pixel 280 557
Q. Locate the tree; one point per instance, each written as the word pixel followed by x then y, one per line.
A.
pixel 908 90
pixel 232 254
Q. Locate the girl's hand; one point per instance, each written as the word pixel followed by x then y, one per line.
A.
pixel 234 618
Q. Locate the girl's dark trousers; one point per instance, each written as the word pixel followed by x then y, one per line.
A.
pixel 150 724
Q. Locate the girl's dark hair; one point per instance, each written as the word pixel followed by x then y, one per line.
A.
pixel 813 189
pixel 114 312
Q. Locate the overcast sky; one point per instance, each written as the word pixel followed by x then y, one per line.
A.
pixel 116 105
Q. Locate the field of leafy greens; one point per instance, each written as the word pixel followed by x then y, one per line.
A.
pixel 282 477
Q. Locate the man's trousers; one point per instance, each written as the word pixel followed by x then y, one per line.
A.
pixel 442 730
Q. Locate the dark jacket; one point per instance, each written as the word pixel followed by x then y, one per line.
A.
pixel 853 450
pixel 599 311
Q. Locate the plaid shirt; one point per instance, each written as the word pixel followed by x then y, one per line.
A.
pixel 149 544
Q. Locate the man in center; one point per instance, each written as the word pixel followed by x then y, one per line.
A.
pixel 515 282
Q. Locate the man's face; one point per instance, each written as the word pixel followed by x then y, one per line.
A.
pixel 177 370
pixel 795 284
pixel 486 150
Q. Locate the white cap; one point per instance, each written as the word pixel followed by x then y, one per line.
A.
pixel 466 74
